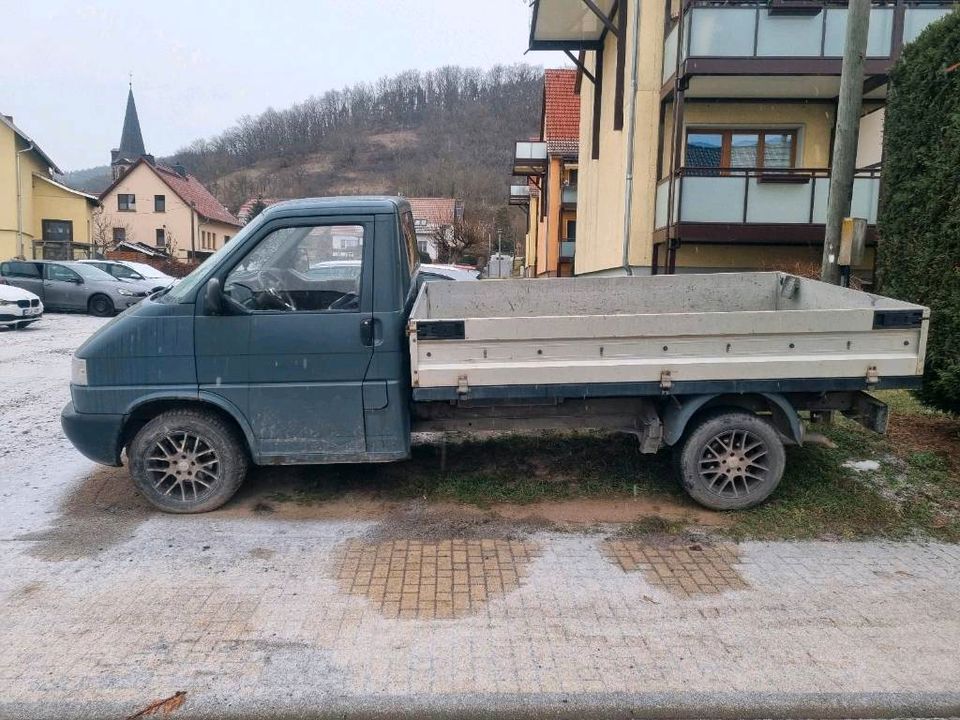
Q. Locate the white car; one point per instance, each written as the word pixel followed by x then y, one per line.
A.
pixel 140 274
pixel 18 308
pixel 448 272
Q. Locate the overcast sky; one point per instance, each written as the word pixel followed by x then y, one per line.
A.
pixel 199 65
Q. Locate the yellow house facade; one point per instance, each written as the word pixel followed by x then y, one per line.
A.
pixel 706 128
pixel 39 217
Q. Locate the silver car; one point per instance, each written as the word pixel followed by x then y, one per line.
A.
pixel 72 286
pixel 123 271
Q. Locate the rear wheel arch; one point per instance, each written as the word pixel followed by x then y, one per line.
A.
pixel 679 417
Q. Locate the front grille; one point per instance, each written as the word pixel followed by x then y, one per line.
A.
pixel 35 302
pixel 23 303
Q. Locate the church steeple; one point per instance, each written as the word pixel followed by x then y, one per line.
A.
pixel 131 140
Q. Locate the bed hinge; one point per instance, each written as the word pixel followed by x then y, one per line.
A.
pixel 666 381
pixel 462 386
pixel 873 377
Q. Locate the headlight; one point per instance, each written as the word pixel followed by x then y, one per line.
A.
pixel 124 291
pixel 78 371
pixel 4 303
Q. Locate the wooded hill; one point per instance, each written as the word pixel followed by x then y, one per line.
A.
pixel 446 132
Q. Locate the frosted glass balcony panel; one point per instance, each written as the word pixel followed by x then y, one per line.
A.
pixel 712 199
pixel 785 35
pixel 917 19
pixel 716 32
pixel 778 202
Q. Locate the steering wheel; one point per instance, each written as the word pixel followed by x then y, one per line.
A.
pixel 344 302
pixel 269 279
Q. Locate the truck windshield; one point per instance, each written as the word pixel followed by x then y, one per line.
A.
pixel 184 290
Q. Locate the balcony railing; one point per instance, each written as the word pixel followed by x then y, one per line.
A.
pixel 759 196
pixel 519 194
pixel 751 30
pixel 568 249
pixel 568 196
pixel 530 157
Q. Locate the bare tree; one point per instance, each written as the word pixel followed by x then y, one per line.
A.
pixel 460 240
pixel 103 225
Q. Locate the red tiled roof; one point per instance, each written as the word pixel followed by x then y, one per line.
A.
pixel 436 211
pixel 192 192
pixel 243 214
pixel 561 105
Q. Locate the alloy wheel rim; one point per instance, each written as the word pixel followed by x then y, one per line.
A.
pixel 733 463
pixel 183 466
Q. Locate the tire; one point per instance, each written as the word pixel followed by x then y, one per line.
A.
pixel 100 306
pixel 187 461
pixel 717 473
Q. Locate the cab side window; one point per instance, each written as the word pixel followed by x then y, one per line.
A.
pixel 301 269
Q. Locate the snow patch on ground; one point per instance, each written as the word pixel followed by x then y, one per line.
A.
pixel 862 465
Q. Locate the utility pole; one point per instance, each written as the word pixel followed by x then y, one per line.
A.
pixel 845 136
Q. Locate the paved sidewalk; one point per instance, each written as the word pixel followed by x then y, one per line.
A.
pixel 109 607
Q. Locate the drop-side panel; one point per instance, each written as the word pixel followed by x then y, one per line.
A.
pixel 778 327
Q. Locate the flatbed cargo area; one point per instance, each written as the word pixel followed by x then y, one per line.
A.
pixel 672 334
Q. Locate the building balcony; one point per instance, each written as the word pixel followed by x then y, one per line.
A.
pixel 743 49
pixel 530 157
pixel 568 197
pixel 519 195
pixel 568 249
pixel 757 206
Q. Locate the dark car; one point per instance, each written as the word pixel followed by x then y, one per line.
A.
pixel 72 286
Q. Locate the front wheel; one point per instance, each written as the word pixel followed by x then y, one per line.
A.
pixel 187 461
pixel 101 306
pixel 731 460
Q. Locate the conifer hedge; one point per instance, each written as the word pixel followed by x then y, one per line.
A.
pixel 919 223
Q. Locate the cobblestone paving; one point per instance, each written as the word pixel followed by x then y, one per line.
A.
pixel 684 569
pixel 426 580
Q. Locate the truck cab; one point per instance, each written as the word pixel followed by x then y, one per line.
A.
pixel 289 343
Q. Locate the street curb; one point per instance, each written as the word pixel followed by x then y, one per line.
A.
pixel 557 706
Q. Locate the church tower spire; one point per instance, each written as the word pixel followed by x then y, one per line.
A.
pixel 131 140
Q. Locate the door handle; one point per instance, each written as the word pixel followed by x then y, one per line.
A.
pixel 367 334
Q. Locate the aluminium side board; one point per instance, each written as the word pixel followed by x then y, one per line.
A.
pixel 671 334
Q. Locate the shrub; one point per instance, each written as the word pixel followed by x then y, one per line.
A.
pixel 919 224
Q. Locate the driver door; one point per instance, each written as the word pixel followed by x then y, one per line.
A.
pixel 292 349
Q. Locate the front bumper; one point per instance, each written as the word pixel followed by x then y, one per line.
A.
pixel 96 436
pixel 16 314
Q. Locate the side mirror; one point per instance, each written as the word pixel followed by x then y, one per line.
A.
pixel 213 297
pixel 77 281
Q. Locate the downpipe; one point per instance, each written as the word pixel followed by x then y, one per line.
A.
pixel 631 132
pixel 20 252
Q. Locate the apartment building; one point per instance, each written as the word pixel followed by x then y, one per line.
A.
pixel 549 168
pixel 724 114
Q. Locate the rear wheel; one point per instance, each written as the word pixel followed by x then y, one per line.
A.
pixel 187 461
pixel 101 306
pixel 731 460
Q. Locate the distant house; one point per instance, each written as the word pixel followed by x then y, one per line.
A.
pixel 159 206
pixel 550 166
pixel 39 217
pixel 246 212
pixel 433 216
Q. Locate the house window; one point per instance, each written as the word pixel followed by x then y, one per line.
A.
pixel 571 230
pixel 722 149
pixel 161 237
pixel 572 181
pixel 159 203
pixel 119 235
pixel 226 239
pixel 126 203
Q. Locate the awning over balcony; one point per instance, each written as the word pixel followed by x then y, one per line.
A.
pixel 530 157
pixel 569 24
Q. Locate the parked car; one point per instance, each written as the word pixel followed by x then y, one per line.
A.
pixel 138 273
pixel 72 285
pixel 18 307
pixel 448 272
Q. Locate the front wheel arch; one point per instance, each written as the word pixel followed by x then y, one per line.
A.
pixel 141 414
